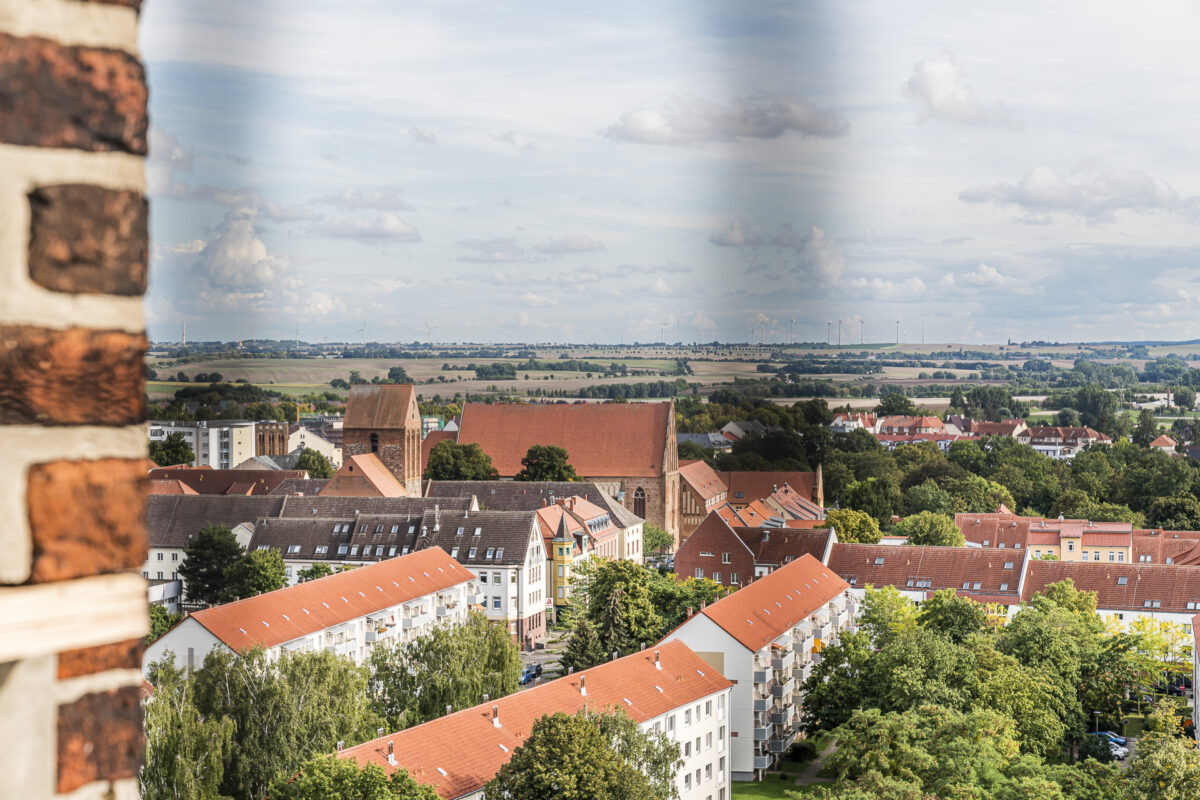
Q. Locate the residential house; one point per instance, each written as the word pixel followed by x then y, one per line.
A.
pixel 304 437
pixel 943 440
pixel 988 575
pixel 740 429
pixel 347 613
pixel 766 638
pixel 904 425
pixel 1166 547
pixel 1164 443
pixel 204 480
pixel 1126 592
pixel 709 441
pixel 1061 442
pixel 668 689
pixel 735 555
pixel 848 421
pixel 1005 427
pixel 1063 539
pixel 745 487
pixel 701 490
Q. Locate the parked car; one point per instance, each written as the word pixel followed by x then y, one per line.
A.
pixel 530 672
pixel 1112 737
pixel 1118 751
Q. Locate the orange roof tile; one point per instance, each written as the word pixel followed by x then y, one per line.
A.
pixel 757 485
pixel 702 479
pixel 363 475
pixel 170 487
pixel 773 604
pixel 431 441
pixel 285 614
pixel 1163 441
pixel 601 440
pixel 385 406
pixel 457 754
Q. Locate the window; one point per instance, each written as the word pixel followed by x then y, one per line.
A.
pixel 706 554
pixel 708 713
pixel 966 584
pixel 477 531
pixel 1112 556
pixel 687 712
pixel 1017 546
pixel 321 549
pixel 987 542
pixel 174 556
pixel 471 553
pixel 354 550
pixel 739 495
pixel 1085 555
pixel 733 578
pixel 671 723
pixel 1000 545
pixel 699 572
pixel 1095 555
pixel 160 576
pixel 1008 565
pixel 293 549
pixel 404 552
pixel 379 529
pixel 512 576
pixel 483 577
pixel 708 769
pixel 454 552
pixel 852 580
pixel 879 561
pixel 499 552
pixel 362 528
pixel 1070 547
pixel 639 502
pixel 726 558
pixel 717 577
pixel 976 585
pixel 560 593
pixel 496 603
pixel 1121 557
pixel 160 556
pixel 391 551
pixel 1122 580
pixel 395 529
pixel 1191 606
pixel 342 549
pixel 1004 587
pixel 490 550
pixel 374 442
pixel 496 578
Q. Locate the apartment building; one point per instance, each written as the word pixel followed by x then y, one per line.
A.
pixel 734 555
pixel 668 689
pixel 1061 442
pixel 1064 539
pixel 219 444
pixel 766 638
pixel 347 613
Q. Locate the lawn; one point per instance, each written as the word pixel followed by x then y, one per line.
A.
pixel 771 787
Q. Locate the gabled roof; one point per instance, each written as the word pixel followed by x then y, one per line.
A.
pixel 432 440
pixel 530 496
pixel 457 754
pixel 227 481
pixel 1173 587
pixel 172 519
pixel 1163 441
pixel 702 479
pixel 378 406
pixel 170 487
pixel 351 507
pixel 943 567
pixel 286 614
pixel 782 545
pixel 757 485
pixel 758 613
pixel 298 486
pixel 363 475
pixel 601 440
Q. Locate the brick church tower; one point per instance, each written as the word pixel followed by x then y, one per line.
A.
pixel 385 420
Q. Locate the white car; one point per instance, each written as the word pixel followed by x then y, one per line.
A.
pixel 1118 751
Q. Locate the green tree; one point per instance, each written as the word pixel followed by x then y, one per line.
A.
pixel 206 557
pixel 885 612
pixel 954 617
pixel 836 685
pixel 1174 513
pixel 1146 430
pixel 621 607
pixel 694 451
pixel 413 682
pixel 318 569
pixel 314 463
pixel 580 758
pixel 546 463
pixel 1185 398
pixel 928 528
pixel 1167 765
pixel 874 496
pixel 185 751
pixel 172 451
pixel 282 712
pixel 398 375
pixel 161 621
pixel 451 461
pixel 325 777
pixel 854 526
pixel 928 496
pixel 656 539
pixel 672 597
pixel 254 573
pixel 894 403
pixel 583 648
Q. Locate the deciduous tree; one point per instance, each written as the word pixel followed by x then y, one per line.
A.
pixel 207 555
pixel 326 777
pixel 171 451
pixel 254 573
pixel 929 528
pixel 314 463
pixel 546 463
pixel 854 526
pixel 451 461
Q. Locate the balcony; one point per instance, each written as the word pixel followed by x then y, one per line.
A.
pixel 447 610
pixel 762 675
pixel 416 620
pixel 783 663
pixel 781 744
pixel 778 717
pixel 784 689
pixel 762 734
pixel 763 762
pixel 761 703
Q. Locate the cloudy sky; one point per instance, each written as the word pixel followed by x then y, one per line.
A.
pixel 546 171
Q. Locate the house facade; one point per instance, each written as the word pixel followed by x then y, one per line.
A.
pixel 765 639
pixel 347 613
pixel 735 555
pixel 668 689
pixel 701 490
pixel 1061 442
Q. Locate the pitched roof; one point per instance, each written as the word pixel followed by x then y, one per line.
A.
pixel 702 479
pixel 943 567
pixel 351 507
pixel 300 486
pixel 1173 587
pixel 286 614
pixel 363 475
pixel 601 440
pixel 1163 441
pixel 781 545
pixel 1181 547
pixel 503 534
pixel 438 753
pixel 757 485
pixel 172 519
pixel 1067 434
pixel 227 481
pixel 170 487
pixel 530 495
pixel 380 406
pixel 773 604
pixel 431 440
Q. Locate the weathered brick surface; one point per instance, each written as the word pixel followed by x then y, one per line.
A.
pixel 71 377
pixel 87 517
pixel 99 737
pixel 88 239
pixel 89 660
pixel 87 98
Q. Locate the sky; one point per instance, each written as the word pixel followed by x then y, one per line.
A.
pixel 403 170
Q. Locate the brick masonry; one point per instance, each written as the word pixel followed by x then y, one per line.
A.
pixel 99 737
pixel 87 518
pixel 88 239
pixel 89 98
pixel 71 377
pixel 90 660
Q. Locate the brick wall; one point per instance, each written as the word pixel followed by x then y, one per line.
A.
pixel 73 261
pixel 714 536
pixel 399 450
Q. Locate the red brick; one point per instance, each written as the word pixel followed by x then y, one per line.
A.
pixel 87 98
pixel 71 377
pixel 87 517
pixel 89 660
pixel 88 239
pixel 99 738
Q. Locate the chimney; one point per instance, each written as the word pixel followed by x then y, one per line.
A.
pixel 657 662
pixel 485 697
pixel 378 732
pixel 570 670
pixel 437 517
pixel 690 612
pixel 703 604
pixel 341 745
pixel 583 685
pixel 774 487
pixel 496 715
pixel 615 655
pixel 545 503
pixel 449 709
pixel 391 753
pixel 766 536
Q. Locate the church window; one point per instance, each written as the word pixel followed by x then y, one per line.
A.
pixel 639 502
pixel 374 442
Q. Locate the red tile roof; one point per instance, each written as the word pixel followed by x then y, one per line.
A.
pixel 773 604
pixel 1173 587
pixel 601 440
pixel 431 441
pixel 227 481
pixel 1163 441
pixel 363 475
pixel 383 407
pixel 457 754
pixel 170 487
pixel 283 615
pixel 943 567
pixel 702 479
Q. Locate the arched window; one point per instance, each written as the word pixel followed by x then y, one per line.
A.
pixel 374 442
pixel 639 502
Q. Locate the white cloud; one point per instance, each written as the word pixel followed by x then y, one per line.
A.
pixel 388 198
pixel 497 250
pixel 421 135
pixel 531 299
pixel 936 86
pixel 168 158
pixel 741 234
pixel 1093 190
pixel 660 287
pixel 234 268
pixel 384 228
pixel 186 248
pixel 683 122
pixel 570 243
pixel 884 289
pixel 820 257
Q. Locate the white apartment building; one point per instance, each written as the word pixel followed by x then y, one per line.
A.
pixel 219 444
pixel 765 638
pixel 303 437
pixel 668 689
pixel 346 613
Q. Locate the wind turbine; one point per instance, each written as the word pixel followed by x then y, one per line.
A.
pixel 792 331
pixel 362 334
pixel 430 329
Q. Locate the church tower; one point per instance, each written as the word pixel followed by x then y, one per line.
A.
pixel 385 420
